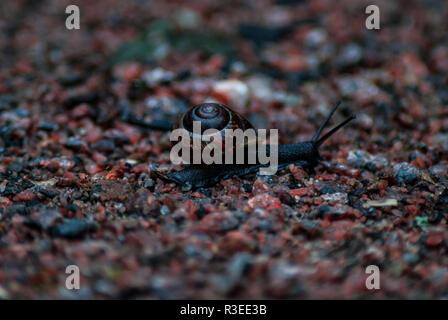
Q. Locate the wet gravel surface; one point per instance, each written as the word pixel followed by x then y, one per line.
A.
pixel 77 161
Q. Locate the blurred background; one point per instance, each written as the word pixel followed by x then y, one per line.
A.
pixel 76 155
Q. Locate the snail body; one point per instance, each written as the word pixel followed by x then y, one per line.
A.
pixel 220 117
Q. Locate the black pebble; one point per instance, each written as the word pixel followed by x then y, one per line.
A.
pixel 15 166
pixel 91 97
pixel 47 126
pixel 72 79
pixel 70 228
pixel 105 145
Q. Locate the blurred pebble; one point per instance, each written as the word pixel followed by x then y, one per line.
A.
pixel 47 126
pixel 363 159
pixel 406 173
pixel 157 76
pixel 239 264
pixel 316 37
pixel 350 55
pixel 236 92
pixel 46 218
pixel 70 228
pixel 439 169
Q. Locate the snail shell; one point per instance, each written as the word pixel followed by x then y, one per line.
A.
pixel 213 116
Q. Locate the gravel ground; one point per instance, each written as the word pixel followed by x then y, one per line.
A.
pixel 77 183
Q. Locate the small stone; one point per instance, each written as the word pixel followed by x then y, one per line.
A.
pixel 411 258
pixel 261 88
pixel 330 212
pixel 4 202
pixel 89 98
pixel 363 159
pixel 71 79
pixel 164 210
pixel 358 87
pixel 382 203
pixel 440 139
pixel 149 183
pixel 316 37
pixel 3 294
pixel 70 228
pixel 307 227
pixel 7 101
pixel 336 197
pixel 236 241
pixel 46 218
pixel 439 169
pixel 47 126
pixel 157 76
pixel 187 19
pixel 247 187
pixel 74 142
pixel 301 192
pixel 26 195
pixel 266 202
pixel 235 92
pixel 328 187
pixel 263 33
pixel 285 279
pixel 128 71
pixel 350 55
pixel 286 198
pixel 435 239
pixel 104 145
pixel 22 113
pixel 239 264
pixel 406 173
pixel 412 209
pixel 15 166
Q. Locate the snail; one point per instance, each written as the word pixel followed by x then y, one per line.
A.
pixel 220 117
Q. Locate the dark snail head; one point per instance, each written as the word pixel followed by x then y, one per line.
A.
pixel 213 115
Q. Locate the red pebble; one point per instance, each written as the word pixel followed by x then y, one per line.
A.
pixel 4 202
pixel 236 241
pixel 196 194
pixel 142 167
pixel 301 192
pixel 114 174
pixel 266 202
pixel 434 240
pixel 128 71
pixel 80 111
pixel 100 213
pixel 99 157
pixel 419 163
pixel 26 195
pixel 412 210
